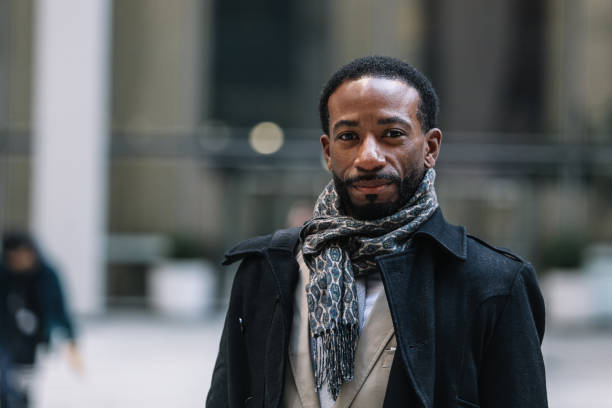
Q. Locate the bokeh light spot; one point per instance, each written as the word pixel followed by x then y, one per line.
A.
pixel 266 138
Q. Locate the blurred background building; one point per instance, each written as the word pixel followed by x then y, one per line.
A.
pixel 129 129
pixel 138 132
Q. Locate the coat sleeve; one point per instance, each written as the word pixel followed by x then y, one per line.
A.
pixel 218 392
pixel 229 377
pixel 512 368
pixel 54 305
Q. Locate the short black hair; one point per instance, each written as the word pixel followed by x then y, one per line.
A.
pixel 14 240
pixel 384 67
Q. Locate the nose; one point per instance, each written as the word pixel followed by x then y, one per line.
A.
pixel 370 156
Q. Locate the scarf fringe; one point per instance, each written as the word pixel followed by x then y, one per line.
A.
pixel 334 358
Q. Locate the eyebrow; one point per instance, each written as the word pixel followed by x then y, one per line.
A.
pixel 344 122
pixel 394 119
pixel 384 121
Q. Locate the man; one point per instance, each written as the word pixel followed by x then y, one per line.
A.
pixel 31 306
pixel 377 300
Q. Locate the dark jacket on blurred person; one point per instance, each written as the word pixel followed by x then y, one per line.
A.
pixel 31 307
pixel 469 321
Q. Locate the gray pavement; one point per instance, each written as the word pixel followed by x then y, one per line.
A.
pixel 142 361
pixel 136 361
pixel 579 368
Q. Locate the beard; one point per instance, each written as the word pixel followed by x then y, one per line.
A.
pixel 406 188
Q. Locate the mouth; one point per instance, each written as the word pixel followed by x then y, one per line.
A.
pixel 375 186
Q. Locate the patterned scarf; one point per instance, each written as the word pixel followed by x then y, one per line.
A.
pixel 338 248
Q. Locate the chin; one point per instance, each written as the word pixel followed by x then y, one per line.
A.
pixel 373 211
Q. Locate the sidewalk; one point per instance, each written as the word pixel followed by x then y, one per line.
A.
pixel 131 362
pixel 579 368
pixel 142 361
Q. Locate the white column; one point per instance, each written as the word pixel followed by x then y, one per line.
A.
pixel 4 60
pixel 71 82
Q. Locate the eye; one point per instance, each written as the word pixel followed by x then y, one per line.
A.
pixel 393 133
pixel 347 136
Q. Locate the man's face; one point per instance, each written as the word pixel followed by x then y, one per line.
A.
pixel 376 149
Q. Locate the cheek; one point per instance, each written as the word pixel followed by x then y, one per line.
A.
pixel 410 163
pixel 339 160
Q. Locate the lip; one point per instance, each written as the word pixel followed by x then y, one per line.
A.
pixel 371 186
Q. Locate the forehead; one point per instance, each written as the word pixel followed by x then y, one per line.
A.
pixel 371 94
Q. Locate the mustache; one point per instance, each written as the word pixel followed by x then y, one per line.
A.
pixel 374 176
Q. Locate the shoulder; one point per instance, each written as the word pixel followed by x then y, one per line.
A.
pixel 267 269
pixel 485 247
pixel 494 271
pixel 501 282
pixel 477 266
pixel 281 240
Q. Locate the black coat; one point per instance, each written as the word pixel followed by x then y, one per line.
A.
pixel 39 294
pixel 469 321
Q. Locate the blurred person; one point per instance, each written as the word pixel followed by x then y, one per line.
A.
pixel 31 307
pixel 377 300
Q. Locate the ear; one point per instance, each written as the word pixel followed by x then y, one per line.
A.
pixel 433 139
pixel 326 154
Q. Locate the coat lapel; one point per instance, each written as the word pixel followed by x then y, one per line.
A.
pixel 285 270
pixel 409 286
pixel 409 279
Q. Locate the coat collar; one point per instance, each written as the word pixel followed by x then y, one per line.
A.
pixel 449 237
pixel 284 240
